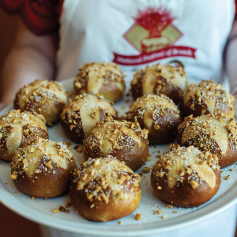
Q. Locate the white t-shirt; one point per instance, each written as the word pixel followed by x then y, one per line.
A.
pixel 135 33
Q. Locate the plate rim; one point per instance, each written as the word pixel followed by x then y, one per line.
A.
pixel 223 202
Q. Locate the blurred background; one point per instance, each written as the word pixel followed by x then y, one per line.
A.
pixel 11 224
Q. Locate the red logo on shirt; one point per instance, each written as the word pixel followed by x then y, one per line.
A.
pixel 153 35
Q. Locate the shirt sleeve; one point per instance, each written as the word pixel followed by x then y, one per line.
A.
pixel 40 16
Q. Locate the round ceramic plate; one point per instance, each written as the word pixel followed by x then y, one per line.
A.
pixel 40 210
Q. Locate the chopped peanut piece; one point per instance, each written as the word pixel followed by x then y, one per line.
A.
pixel 55 210
pixel 146 169
pixel 170 205
pixel 227 177
pixel 158 212
pixel 67 204
pixel 138 216
pixel 13 176
pixel 194 184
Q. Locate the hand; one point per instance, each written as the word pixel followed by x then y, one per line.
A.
pixel 2 106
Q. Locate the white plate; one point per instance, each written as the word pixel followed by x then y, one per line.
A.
pixel 40 210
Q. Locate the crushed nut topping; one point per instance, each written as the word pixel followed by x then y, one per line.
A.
pixel 108 178
pixel 18 128
pixel 184 163
pixel 40 93
pixel 227 177
pixel 159 78
pixel 158 212
pixel 210 96
pixel 213 132
pixel 91 77
pixel 152 110
pixel 138 217
pixel 170 205
pixel 114 135
pixel 45 157
pixel 84 112
pixel 55 210
pixel 146 169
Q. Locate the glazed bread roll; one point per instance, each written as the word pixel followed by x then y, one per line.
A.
pixel 186 177
pixel 158 114
pixel 104 189
pixel 205 98
pixel 100 78
pixel 160 79
pixel 83 113
pixel 18 129
pixel 44 97
pixel 43 169
pixel 214 133
pixel 123 140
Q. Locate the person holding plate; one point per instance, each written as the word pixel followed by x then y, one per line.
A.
pixel 56 37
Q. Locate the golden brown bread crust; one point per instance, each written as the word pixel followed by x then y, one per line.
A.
pixel 214 133
pixel 100 78
pixel 205 98
pixel 83 113
pixel 44 97
pixel 18 129
pixel 104 189
pixel 158 114
pixel 46 186
pixel 123 140
pixel 43 169
pixel 186 177
pixel 160 79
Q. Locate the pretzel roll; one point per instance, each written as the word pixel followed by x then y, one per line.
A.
pixel 186 177
pixel 18 129
pixel 81 115
pixel 44 97
pixel 123 140
pixel 205 98
pixel 105 189
pixel 43 169
pixel 160 79
pixel 214 133
pixel 100 78
pixel 158 114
